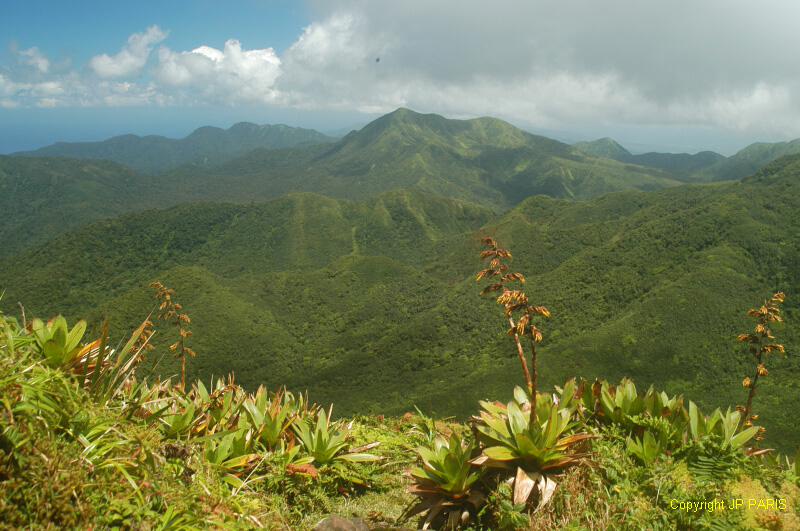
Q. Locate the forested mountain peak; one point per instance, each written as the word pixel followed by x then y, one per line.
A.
pixel 205 146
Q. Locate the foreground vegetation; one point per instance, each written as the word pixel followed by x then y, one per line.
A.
pixel 84 443
pixel 88 440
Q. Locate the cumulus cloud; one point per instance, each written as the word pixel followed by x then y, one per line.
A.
pixel 720 63
pixel 724 64
pixel 230 75
pixel 33 57
pixel 14 94
pixel 132 58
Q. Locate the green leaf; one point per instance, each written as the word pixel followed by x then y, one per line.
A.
pixel 696 422
pixel 499 453
pixel 741 438
pixel 75 336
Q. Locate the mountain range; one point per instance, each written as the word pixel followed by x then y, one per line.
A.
pixel 485 161
pixel 705 166
pixel 348 267
pixel 206 146
pixel 681 165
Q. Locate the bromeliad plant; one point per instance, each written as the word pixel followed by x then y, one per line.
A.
pixel 725 426
pixel 60 346
pixel 518 310
pixel 533 447
pixel 216 410
pixel 647 449
pixel 524 436
pixel 272 418
pixel 445 483
pixel 102 370
pixel 658 424
pixel 622 404
pixel 662 415
pixel 761 343
pixel 325 442
pixel 233 453
pixel 109 372
pixel 179 419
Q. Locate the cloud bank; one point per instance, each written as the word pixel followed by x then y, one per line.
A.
pixel 728 64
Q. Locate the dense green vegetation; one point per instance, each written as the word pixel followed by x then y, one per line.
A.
pixel 41 198
pixel 705 166
pixel 363 293
pixel 368 302
pixel 682 166
pixel 485 160
pixel 749 160
pixel 84 442
pixel 206 146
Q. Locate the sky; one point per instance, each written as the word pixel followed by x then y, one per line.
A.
pixel 669 76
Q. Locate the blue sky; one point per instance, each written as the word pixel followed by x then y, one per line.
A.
pixel 670 76
pixel 78 29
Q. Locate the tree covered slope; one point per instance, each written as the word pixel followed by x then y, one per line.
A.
pixel 749 160
pixel 203 147
pixel 42 197
pixel 369 302
pixel 705 166
pixel 682 166
pixel 484 160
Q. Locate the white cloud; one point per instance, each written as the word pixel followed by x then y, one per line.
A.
pixel 581 65
pixel 46 88
pixel 7 87
pixel 133 56
pixel 231 75
pixel 33 57
pixel 564 65
pixel 18 93
pixel 47 103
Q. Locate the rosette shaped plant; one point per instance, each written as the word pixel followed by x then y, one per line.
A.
pixel 445 483
pixel 536 447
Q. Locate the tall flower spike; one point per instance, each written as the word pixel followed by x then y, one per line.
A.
pixel 760 345
pixel 516 308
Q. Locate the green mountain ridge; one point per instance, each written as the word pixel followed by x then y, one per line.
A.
pixel 483 160
pixel 749 160
pixel 683 166
pixel 605 147
pixel 43 197
pixel 704 166
pixel 372 304
pixel 203 147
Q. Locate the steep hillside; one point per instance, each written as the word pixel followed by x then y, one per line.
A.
pixel 749 160
pixel 484 160
pixel 682 166
pixel 43 197
pixel 206 146
pixel 605 147
pixel 367 303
